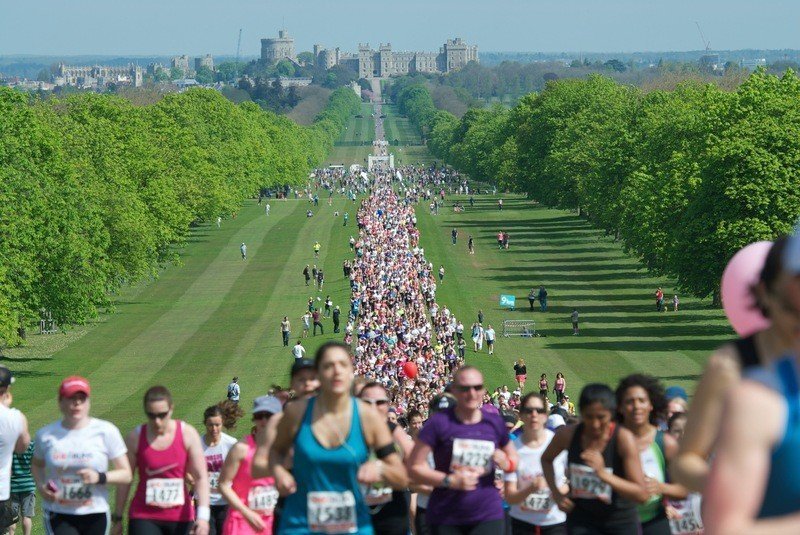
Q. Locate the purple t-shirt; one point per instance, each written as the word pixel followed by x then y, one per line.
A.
pixel 455 443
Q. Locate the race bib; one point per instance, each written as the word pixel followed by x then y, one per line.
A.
pixel 470 453
pixel 73 491
pixel 688 522
pixel 377 494
pixel 332 512
pixel 262 499
pixel 164 493
pixel 538 502
pixel 585 484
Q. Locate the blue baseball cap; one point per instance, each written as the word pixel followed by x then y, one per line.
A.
pixel 791 256
pixel 675 392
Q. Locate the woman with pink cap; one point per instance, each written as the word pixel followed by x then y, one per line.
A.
pixel 251 502
pixel 71 465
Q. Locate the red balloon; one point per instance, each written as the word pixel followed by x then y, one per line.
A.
pixel 410 369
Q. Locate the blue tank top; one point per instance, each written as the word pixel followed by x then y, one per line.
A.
pixel 782 495
pixel 328 498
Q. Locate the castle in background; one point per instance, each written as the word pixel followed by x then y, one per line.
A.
pixel 381 63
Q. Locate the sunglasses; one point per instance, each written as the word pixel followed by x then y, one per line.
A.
pixel 262 415
pixel 529 410
pixel 157 415
pixel 378 402
pixel 467 388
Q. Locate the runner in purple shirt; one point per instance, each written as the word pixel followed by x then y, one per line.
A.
pixel 467 445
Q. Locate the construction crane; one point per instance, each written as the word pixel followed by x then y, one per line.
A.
pixel 238 49
pixel 707 44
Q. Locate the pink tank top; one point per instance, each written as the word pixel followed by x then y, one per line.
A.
pixel 255 493
pixel 161 493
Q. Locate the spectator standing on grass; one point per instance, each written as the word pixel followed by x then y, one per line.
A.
pixel 471 245
pixel 500 240
pixel 219 221
pixel 306 323
pixel 23 491
pixel 480 316
pixel 574 322
pixel 441 274
pixel 490 336
pixel 500 204
pixel 243 249
pixel 298 351
pixel 505 240
pixel 454 235
pixel 542 297
pixel 266 209
pixel 659 299
pixel 521 373
pixel 544 387
pixel 675 303
pixel 328 306
pixel 316 316
pixel 286 330
pixel 477 337
pixel 314 274
pixel 234 390
pixel 336 318
pixel 532 298
pixel 306 274
pixel 320 280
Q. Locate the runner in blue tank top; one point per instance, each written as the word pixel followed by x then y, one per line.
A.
pixel 332 435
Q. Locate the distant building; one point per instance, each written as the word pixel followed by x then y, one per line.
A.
pixel 384 62
pixel 753 64
pixel 710 62
pixel 204 61
pixel 181 63
pixel 275 49
pixel 98 76
pixel 287 81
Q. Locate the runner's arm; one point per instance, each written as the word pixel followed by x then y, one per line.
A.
pixel 752 424
pixel 419 469
pixel 632 486
pixel 229 469
pixel 264 438
pixel 690 467
pixel 394 472
pixel 24 439
pixel 559 443
pixel 515 495
pixel 196 465
pixel 124 489
pixel 673 491
pixel 278 452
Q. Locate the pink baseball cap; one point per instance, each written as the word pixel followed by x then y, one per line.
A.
pixel 72 385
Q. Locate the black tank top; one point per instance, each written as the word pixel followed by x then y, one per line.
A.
pixel 392 517
pixel 748 354
pixel 595 512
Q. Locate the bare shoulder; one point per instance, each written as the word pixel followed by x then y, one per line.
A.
pixel 755 413
pixel 724 359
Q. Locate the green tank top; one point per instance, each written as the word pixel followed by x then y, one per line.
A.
pixel 654 466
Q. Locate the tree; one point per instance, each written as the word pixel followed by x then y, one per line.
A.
pixel 306 58
pixel 285 68
pixel 615 64
pixel 175 73
pixel 204 75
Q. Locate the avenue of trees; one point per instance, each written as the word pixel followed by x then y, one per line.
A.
pixel 684 178
pixel 96 193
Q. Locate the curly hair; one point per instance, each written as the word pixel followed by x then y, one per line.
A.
pixel 654 389
pixel 229 411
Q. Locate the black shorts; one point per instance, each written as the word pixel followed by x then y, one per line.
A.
pixel 491 527
pixel 62 524
pixel 518 527
pixel 141 526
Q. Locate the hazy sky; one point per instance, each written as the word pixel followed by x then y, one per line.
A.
pixel 150 27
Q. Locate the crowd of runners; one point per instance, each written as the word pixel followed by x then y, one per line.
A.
pixel 390 432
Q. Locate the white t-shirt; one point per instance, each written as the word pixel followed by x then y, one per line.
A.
pixel 490 335
pixel 538 508
pixel 65 451
pixel 298 351
pixel 10 429
pixel 215 457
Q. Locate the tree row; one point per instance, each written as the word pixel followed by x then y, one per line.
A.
pixel 684 178
pixel 96 193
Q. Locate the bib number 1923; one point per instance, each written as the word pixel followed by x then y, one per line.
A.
pixel 332 512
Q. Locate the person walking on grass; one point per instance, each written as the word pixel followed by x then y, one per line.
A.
pixel 298 351
pixel 675 303
pixel 477 337
pixel 243 249
pixel 346 218
pixel 320 280
pixel 266 209
pixel 441 274
pixel 286 330
pixel 306 323
pixel 532 298
pixel 219 221
pixel 306 274
pixel 454 235
pixel 234 390
pixel 328 306
pixel 336 318
pixel 574 322
pixel 542 297
pixel 317 247
pixel 489 334
pixel 471 245
pixel 317 323
pixel 23 492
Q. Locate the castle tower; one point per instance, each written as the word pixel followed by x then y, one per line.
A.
pixel 275 49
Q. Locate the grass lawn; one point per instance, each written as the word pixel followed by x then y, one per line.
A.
pixel 398 130
pixel 355 143
pixel 620 331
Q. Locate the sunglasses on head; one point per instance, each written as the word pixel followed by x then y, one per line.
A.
pixel 379 402
pixel 467 388
pixel 262 415
pixel 530 410
pixel 157 415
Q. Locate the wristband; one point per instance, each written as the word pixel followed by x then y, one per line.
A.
pixel 203 513
pixel 511 466
pixel 101 478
